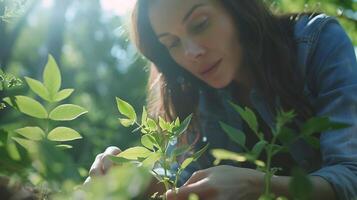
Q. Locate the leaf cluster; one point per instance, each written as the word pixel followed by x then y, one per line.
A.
pixel 280 132
pixel 158 143
pixel 49 91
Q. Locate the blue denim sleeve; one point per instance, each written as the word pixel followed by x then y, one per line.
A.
pixel 333 76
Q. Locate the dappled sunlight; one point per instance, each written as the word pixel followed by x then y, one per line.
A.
pixel 117 7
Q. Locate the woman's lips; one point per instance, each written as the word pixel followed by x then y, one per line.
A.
pixel 211 69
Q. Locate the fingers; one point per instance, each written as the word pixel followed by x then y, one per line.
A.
pixel 196 176
pixel 201 188
pixel 102 162
pixel 87 181
pixel 106 162
pixel 96 168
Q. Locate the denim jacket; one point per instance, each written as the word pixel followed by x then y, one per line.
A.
pixel 327 60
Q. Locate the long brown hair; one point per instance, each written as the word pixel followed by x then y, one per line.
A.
pixel 268 49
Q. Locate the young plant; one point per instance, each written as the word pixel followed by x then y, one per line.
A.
pixel 158 144
pixel 49 91
pixel 271 147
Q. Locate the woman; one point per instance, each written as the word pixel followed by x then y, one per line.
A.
pixel 206 52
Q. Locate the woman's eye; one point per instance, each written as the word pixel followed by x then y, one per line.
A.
pixel 200 26
pixel 174 44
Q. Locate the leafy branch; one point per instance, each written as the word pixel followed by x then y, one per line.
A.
pixel 158 140
pixel 49 91
pixel 272 147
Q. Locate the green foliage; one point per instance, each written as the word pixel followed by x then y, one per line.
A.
pixel 300 182
pixel 125 182
pixel 300 186
pixel 66 112
pixel 27 106
pixel 63 134
pixel 31 133
pixel 7 81
pixel 234 134
pixel 99 74
pixel 156 140
pixel 193 197
pixel 49 91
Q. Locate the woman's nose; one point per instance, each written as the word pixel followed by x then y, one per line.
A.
pixel 193 50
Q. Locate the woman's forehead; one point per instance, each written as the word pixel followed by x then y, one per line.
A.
pixel 165 13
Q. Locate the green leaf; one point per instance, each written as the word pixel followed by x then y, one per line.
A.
pixel 287 135
pixel 282 119
pixel 63 94
pixel 118 160
pixel 259 163
pixel 38 88
pixel 278 148
pixel 222 154
pixel 148 141
pixel 200 152
pixel 193 196
pixel 64 146
pixel 32 133
pixel 183 126
pixel 63 134
pixel 234 134
pixel 67 112
pixel 300 185
pixel 313 141
pixel 177 122
pixel 126 109
pixel 134 153
pixel 144 117
pixel 12 150
pixel 151 160
pixel 248 116
pixel 29 145
pixel 186 162
pixel 28 106
pixel 321 124
pixel 267 197
pixel 52 77
pixel 163 124
pixel 258 148
pixel 151 124
pixel 126 122
pixel 181 150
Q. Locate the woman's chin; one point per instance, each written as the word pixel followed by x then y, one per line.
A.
pixel 218 84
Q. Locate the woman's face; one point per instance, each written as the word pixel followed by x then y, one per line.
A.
pixel 200 36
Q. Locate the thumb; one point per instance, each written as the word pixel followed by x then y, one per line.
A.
pixel 196 176
pixel 110 151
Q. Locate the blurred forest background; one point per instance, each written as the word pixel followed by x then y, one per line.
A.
pixel 90 41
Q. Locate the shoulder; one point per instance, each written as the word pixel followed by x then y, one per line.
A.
pixel 321 42
pixel 309 27
pixel 307 35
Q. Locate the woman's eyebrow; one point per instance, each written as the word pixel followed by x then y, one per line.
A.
pixel 185 18
pixel 189 13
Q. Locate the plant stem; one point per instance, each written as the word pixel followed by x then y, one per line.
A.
pixel 268 171
pixel 268 174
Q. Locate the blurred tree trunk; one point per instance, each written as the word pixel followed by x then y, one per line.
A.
pixel 57 28
pixel 7 41
pixel 2 32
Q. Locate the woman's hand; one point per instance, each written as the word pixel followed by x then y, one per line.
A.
pixel 102 163
pixel 221 183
